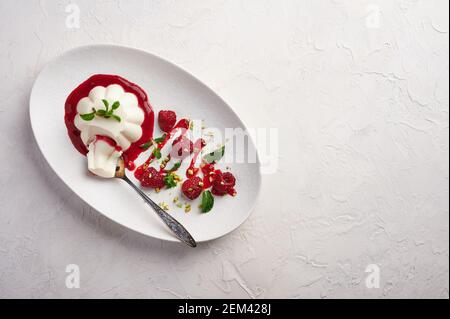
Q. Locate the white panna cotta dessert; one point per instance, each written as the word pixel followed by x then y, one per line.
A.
pixel 114 114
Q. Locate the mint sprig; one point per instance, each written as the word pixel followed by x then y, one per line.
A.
pixel 105 113
pixel 170 180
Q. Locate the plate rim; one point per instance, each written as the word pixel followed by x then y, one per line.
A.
pixel 54 59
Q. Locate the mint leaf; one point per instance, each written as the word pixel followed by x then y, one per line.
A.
pixel 116 117
pixel 115 105
pixel 207 201
pixel 155 140
pixel 88 116
pixel 101 112
pixel 146 146
pixel 157 153
pixel 214 156
pixel 106 104
pixel 175 166
pixel 160 139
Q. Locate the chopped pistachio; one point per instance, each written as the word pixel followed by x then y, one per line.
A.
pixel 163 205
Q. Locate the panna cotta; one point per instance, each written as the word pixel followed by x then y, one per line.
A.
pixel 102 156
pixel 108 117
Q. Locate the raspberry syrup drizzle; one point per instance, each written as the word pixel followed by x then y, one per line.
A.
pixel 193 168
pixel 208 170
pixel 108 141
pixel 104 80
pixel 182 124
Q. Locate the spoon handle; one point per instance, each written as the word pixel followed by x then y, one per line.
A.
pixel 171 222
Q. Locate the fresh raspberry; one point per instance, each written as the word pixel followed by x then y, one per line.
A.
pixel 223 183
pixel 216 192
pixel 166 120
pixel 192 187
pixel 152 178
pixel 183 123
pixel 229 179
pixel 182 146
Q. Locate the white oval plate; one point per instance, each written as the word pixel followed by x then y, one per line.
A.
pixel 168 87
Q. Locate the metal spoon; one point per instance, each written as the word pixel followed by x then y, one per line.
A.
pixel 178 229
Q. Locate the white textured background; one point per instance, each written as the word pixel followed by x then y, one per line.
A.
pixel 363 114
